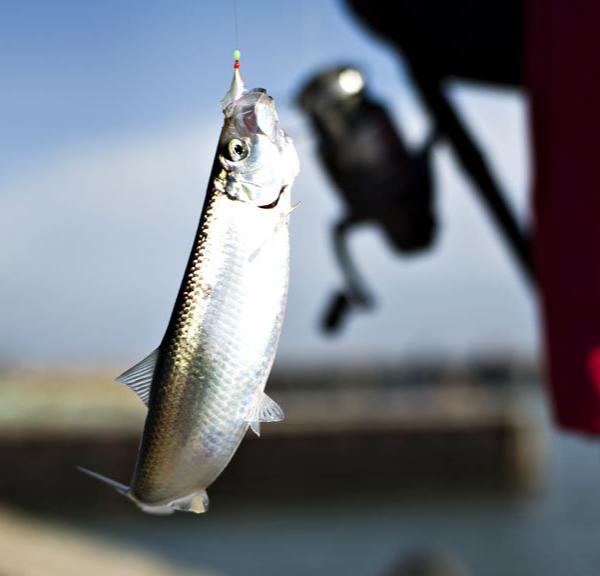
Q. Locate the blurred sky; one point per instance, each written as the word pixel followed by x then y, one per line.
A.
pixel 109 115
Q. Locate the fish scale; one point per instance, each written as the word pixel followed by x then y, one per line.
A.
pixel 205 382
pixel 223 366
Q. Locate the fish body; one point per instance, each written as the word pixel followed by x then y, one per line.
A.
pixel 204 385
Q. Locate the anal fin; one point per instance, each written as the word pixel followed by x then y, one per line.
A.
pixel 265 409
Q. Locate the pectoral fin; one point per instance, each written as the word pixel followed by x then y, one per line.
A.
pixel 280 223
pixel 265 409
pixel 139 377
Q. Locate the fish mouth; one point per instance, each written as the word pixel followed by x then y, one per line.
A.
pixel 255 113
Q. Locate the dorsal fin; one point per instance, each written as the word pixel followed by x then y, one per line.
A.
pixel 139 377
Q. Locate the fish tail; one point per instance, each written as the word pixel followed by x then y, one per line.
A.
pixel 120 488
pixel 196 502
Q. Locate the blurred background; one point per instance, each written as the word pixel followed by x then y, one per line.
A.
pixel 417 438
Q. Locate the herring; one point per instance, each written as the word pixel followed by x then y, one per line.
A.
pixel 204 384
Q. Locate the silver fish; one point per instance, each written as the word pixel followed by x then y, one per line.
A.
pixel 204 385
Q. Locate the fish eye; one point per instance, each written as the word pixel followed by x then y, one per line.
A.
pixel 238 149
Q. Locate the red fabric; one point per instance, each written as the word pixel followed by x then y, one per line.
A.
pixel 563 77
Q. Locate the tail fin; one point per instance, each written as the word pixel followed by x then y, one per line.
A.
pixel 120 488
pixel 124 490
pixel 195 502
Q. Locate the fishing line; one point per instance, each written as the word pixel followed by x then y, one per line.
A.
pixel 235 24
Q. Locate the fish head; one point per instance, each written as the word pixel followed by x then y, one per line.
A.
pixel 258 159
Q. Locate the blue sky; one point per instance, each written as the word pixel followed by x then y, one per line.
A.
pixel 74 70
pixel 110 114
